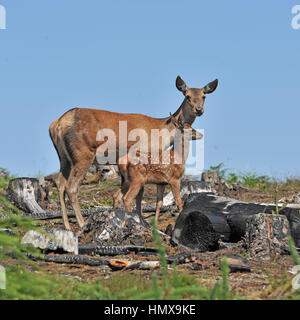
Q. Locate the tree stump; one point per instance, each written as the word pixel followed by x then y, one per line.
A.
pixel 116 228
pixel 266 235
pixel 25 193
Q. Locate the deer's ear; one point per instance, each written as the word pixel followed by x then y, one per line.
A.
pixel 180 85
pixel 175 122
pixel 198 135
pixel 211 87
pixel 170 119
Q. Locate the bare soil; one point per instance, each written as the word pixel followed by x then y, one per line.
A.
pixel 267 279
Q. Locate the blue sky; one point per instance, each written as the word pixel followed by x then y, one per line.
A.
pixel 124 55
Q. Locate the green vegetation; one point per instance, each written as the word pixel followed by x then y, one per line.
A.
pixel 5 206
pixel 281 288
pixel 40 286
pixel 220 169
pixel 278 209
pixel 177 286
pixel 258 182
pixel 247 178
pixel 294 252
pixel 27 279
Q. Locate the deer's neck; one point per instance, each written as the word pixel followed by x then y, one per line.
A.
pixel 184 113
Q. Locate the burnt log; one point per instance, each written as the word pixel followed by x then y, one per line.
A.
pixel 187 187
pixel 71 259
pixel 91 249
pixel 25 193
pixel 210 182
pixel 87 212
pixel 70 213
pixel 200 230
pixel 240 213
pixel 225 218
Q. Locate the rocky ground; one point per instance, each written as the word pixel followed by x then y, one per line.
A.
pixel 268 279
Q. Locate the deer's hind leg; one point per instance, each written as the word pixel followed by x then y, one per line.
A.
pixel 118 195
pixel 139 198
pixel 117 199
pixel 78 172
pixel 62 178
pixel 61 183
pixel 159 200
pixel 134 182
pixel 131 194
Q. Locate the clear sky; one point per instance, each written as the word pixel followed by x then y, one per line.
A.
pixel 124 55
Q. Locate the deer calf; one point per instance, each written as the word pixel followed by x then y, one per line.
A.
pixel 165 172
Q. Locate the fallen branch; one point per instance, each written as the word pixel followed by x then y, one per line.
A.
pixel 71 259
pixel 85 212
pixel 120 264
pixel 91 249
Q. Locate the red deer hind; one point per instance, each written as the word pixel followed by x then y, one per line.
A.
pixel 74 136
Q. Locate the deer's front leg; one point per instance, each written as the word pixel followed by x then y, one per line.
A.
pixel 175 185
pixel 139 202
pixel 131 195
pixel 159 200
pixel 117 199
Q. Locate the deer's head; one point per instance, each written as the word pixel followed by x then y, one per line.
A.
pixel 195 97
pixel 186 129
pixel 194 134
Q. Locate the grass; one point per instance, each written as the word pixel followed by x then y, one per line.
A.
pixel 26 280
pixel 281 288
pixel 246 179
pixel 5 206
pixel 260 183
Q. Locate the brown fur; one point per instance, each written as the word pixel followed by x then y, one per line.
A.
pixel 74 138
pixel 137 175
